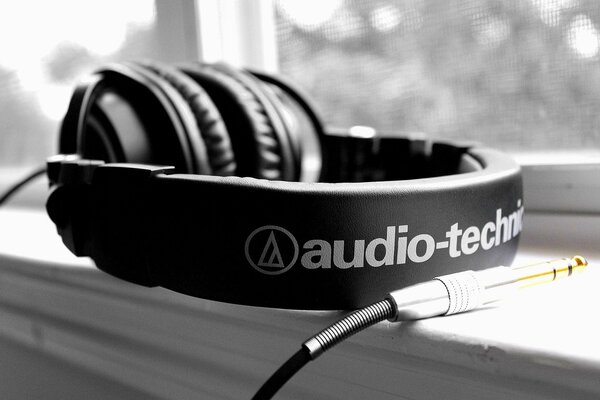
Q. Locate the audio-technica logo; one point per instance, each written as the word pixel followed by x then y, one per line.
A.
pixel 271 249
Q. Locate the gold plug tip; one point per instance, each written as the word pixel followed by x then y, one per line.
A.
pixel 550 271
pixel 579 262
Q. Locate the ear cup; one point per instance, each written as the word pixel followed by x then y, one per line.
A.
pixel 290 163
pixel 253 126
pixel 306 126
pixel 283 109
pixel 120 115
pixel 208 119
pixel 101 139
pixel 191 134
pixel 114 121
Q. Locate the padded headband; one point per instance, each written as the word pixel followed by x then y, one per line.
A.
pixel 388 212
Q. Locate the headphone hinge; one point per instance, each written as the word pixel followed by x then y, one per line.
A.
pixel 121 219
pixel 69 202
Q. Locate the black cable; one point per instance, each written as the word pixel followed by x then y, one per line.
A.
pixel 18 185
pixel 283 374
pixel 323 341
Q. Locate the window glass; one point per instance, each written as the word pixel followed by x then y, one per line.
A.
pixel 518 75
pixel 45 46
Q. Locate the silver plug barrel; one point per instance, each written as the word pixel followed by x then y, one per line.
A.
pixel 463 291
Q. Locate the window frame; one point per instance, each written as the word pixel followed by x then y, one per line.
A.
pixel 243 33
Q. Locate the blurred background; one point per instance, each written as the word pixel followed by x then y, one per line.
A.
pixel 520 75
pixel 514 74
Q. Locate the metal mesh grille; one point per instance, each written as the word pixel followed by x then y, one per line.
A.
pixel 514 74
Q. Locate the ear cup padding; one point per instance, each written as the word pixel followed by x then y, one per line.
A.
pixel 101 138
pixel 197 148
pixel 73 124
pixel 120 121
pixel 307 130
pixel 254 142
pixel 165 133
pixel 208 119
pixel 272 108
pixel 289 121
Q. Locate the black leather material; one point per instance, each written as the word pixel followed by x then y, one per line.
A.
pixel 213 263
pixel 306 130
pixel 164 137
pixel 273 110
pixel 249 241
pixel 387 212
pixel 190 133
pixel 208 119
pixel 251 131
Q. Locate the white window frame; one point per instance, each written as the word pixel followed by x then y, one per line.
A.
pixel 243 33
pixel 562 187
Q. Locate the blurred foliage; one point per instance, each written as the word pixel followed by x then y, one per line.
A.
pixel 34 95
pixel 515 74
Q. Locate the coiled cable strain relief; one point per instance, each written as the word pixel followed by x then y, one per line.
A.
pixel 348 326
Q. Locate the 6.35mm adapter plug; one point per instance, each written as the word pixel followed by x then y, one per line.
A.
pixel 443 295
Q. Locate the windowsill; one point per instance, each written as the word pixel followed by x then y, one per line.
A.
pixel 159 343
pixel 169 345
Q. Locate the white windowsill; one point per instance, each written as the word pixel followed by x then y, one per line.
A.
pixel 172 346
pixel 163 344
pixel 159 343
pixel 564 181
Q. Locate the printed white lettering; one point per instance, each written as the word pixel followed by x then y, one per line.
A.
pixel 453 235
pixel 402 243
pixel 265 253
pixel 469 243
pixel 429 248
pixel 501 226
pixel 485 243
pixel 323 254
pixel 357 259
pixel 388 245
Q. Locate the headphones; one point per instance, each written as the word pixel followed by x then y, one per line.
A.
pixel 224 184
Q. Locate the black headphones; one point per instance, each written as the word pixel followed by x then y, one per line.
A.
pixel 223 184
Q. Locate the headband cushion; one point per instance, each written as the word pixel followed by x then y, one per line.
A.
pixel 251 131
pixel 208 119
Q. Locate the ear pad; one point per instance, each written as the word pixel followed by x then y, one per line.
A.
pixel 208 119
pixel 120 115
pixel 102 141
pixel 274 109
pixel 305 125
pixel 253 125
pixel 284 111
pixel 195 143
